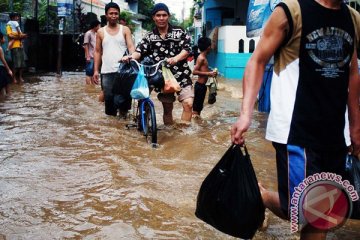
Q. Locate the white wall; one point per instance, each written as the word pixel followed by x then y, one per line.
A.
pixel 229 36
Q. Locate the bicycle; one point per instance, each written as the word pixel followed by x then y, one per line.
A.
pixel 144 116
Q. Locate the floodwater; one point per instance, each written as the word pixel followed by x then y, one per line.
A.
pixel 68 171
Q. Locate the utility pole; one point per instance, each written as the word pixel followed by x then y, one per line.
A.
pixel 11 3
pixel 60 43
pixel 183 13
pixel 47 16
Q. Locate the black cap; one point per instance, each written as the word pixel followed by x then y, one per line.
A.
pixel 159 7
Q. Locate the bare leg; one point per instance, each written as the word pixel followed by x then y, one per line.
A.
pixel 187 109
pixel 88 80
pixel 101 96
pixel 7 90
pixel 271 201
pixel 167 117
pixel 311 233
pixel 21 75
pixel 15 74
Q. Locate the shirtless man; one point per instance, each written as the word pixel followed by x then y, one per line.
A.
pixel 202 70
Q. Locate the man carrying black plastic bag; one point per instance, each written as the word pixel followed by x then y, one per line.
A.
pixel 229 198
pixel 313 86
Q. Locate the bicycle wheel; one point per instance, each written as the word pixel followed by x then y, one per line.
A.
pixel 149 121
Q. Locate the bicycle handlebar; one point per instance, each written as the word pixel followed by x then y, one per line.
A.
pixel 156 65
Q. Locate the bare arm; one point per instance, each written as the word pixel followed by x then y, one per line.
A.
pixel 87 55
pixel 2 59
pixel 353 105
pixel 273 35
pixel 128 39
pixel 18 35
pixel 97 55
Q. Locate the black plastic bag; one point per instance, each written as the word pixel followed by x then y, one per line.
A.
pixel 155 81
pixel 353 175
pixel 229 198
pixel 125 79
pixel 212 91
pixel 123 83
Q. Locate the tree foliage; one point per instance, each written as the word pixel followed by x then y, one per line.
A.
pixel 145 7
pixel 128 16
pixel 47 24
pixel 18 6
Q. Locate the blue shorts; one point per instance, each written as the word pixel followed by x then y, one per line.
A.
pixel 295 163
pixel 89 70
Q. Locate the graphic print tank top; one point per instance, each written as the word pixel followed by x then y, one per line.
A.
pixel 311 75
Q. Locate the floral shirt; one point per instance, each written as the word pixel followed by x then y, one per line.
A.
pixel 176 40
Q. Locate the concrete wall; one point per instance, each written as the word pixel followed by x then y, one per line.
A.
pixel 227 58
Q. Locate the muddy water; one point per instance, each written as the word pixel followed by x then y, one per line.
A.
pixel 67 171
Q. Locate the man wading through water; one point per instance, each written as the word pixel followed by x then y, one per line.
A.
pixel 173 43
pixel 111 44
pixel 315 80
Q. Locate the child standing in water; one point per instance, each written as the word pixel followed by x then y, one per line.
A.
pixel 5 71
pixel 202 70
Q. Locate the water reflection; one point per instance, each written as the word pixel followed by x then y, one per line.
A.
pixel 70 172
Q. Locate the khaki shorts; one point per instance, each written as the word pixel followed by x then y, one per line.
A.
pixel 185 93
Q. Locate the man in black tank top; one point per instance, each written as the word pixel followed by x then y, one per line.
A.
pixel 315 81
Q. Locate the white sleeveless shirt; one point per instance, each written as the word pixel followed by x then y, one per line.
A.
pixel 113 48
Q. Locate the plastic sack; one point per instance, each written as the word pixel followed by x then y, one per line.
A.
pixel 155 81
pixel 126 76
pixel 229 198
pixel 171 85
pixel 140 89
pixel 352 168
pixel 212 91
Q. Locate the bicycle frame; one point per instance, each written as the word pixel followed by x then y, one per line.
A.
pixel 145 117
pixel 142 109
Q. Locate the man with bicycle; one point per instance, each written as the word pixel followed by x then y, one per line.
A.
pixel 173 43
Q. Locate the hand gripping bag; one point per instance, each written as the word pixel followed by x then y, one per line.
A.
pixel 140 89
pixel 352 168
pixel 229 198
